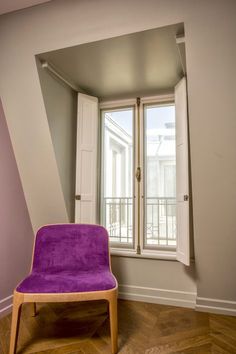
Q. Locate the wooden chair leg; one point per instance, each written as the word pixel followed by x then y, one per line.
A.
pixel 16 311
pixel 34 310
pixel 113 322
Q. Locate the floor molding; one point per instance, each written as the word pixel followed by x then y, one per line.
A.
pixel 222 307
pixel 5 305
pixel 157 296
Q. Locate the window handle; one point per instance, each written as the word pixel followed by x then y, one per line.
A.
pixel 78 197
pixel 186 197
pixel 138 174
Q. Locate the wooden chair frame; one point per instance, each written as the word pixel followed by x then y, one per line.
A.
pixel 20 298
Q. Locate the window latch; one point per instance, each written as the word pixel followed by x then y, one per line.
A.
pixel 186 197
pixel 138 174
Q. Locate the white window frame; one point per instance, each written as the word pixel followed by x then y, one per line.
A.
pixel 166 253
pixel 158 252
pixel 123 250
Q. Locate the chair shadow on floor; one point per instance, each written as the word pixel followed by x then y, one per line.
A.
pixel 61 324
pixel 69 326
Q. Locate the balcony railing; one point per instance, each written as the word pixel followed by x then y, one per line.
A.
pixel 160 223
pixel 119 219
pixel 159 226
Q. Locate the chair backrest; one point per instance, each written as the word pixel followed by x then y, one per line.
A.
pixel 71 247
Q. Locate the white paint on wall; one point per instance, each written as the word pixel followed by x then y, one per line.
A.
pixel 16 234
pixel 61 107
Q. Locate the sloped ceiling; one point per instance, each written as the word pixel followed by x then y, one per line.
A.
pixel 14 5
pixel 139 64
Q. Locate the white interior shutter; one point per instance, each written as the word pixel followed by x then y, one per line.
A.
pixel 86 160
pixel 182 176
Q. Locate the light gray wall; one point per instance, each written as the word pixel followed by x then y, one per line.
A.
pixel 153 273
pixel 16 234
pixel 61 107
pixel 210 30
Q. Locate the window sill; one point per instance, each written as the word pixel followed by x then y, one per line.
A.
pixel 162 255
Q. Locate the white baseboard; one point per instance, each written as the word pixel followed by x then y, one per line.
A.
pixel 222 307
pixel 5 305
pixel 157 296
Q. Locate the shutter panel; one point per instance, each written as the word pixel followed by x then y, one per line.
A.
pixel 86 160
pixel 182 176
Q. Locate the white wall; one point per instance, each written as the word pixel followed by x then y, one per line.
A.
pixel 16 234
pixel 211 56
pixel 61 107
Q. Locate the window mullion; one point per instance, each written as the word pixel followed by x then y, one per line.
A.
pixel 136 192
pixel 142 183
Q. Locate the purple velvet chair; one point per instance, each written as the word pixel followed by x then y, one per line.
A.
pixel 71 262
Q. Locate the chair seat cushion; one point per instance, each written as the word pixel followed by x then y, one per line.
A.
pixel 67 282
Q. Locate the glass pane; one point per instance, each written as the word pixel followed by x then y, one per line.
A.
pixel 117 196
pixel 160 176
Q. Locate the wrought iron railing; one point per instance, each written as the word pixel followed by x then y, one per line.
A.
pixel 119 219
pixel 159 225
pixel 160 222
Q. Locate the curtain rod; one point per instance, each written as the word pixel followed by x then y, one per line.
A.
pixel 49 67
pixel 180 41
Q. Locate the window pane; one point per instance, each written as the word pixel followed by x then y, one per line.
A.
pixel 117 196
pixel 160 177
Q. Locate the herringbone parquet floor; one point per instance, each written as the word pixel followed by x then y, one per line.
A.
pixel 83 328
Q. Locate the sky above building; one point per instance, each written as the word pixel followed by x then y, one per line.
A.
pixel 155 117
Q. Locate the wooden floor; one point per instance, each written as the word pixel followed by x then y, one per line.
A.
pixel 83 328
